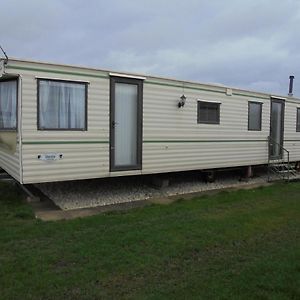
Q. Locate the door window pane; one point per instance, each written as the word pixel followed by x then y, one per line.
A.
pixel 8 104
pixel 276 128
pixel 126 103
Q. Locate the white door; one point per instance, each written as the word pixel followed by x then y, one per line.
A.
pixel 126 124
pixel 276 128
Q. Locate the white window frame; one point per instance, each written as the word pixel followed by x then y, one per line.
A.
pixel 85 84
pixel 14 128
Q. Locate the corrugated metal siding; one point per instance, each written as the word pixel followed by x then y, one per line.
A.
pixel 180 156
pixel 163 120
pixel 172 139
pixel 10 163
pixel 79 161
pixel 291 137
pixel 224 145
pixel 85 152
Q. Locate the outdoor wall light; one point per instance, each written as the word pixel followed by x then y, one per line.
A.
pixel 181 102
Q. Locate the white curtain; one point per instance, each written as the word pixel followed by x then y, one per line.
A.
pixel 8 104
pixel 126 124
pixel 62 105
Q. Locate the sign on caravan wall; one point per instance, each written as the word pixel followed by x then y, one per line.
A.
pixel 50 156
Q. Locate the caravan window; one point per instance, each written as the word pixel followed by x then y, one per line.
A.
pixel 8 104
pixel 298 119
pixel 62 105
pixel 254 116
pixel 208 112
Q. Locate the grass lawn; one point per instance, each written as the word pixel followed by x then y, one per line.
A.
pixel 233 245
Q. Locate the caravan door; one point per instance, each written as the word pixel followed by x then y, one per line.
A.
pixel 126 96
pixel 276 128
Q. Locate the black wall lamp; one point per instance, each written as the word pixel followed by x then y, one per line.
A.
pixel 181 102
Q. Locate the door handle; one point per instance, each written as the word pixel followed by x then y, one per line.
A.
pixel 114 123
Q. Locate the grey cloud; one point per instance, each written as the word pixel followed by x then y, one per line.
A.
pixel 249 44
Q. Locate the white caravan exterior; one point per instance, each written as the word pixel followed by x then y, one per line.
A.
pixel 133 125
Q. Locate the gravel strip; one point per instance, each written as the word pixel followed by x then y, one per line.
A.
pixel 95 192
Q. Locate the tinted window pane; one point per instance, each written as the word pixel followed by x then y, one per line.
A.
pixel 203 113
pixel 254 116
pixel 298 119
pixel 208 112
pixel 212 114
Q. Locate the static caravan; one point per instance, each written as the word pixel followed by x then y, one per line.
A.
pixel 60 122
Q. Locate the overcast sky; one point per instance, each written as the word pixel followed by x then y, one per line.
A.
pixel 249 44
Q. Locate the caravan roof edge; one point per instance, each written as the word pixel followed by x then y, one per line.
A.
pixel 217 86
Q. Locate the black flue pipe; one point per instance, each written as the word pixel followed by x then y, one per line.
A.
pixel 291 85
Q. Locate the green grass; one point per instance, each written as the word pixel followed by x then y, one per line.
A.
pixel 233 245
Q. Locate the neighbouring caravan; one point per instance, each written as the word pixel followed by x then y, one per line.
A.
pixel 61 122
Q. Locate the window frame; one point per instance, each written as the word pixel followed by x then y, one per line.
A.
pixel 218 104
pixel 16 79
pixel 260 115
pixel 297 120
pixel 85 128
